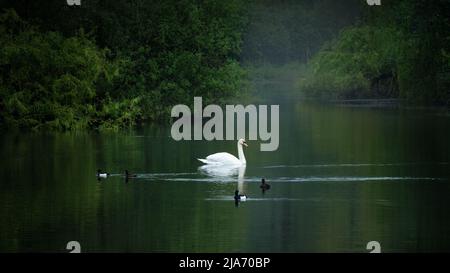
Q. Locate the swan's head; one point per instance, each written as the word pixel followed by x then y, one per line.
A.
pixel 242 142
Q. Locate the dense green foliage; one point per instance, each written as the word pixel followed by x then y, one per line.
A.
pixel 109 64
pixel 46 78
pixel 400 50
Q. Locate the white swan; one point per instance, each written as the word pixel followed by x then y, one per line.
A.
pixel 226 158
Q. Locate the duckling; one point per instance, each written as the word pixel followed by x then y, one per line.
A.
pixel 263 185
pixel 129 175
pixel 239 197
pixel 101 175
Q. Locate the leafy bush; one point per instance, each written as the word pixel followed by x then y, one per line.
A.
pixel 348 66
pixel 398 51
pixel 62 79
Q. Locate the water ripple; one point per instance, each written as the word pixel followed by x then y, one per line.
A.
pixel 355 165
pixel 303 179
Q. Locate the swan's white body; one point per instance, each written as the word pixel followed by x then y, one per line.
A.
pixel 219 170
pixel 103 175
pixel 226 158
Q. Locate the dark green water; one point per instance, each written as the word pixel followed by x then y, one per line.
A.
pixel 342 176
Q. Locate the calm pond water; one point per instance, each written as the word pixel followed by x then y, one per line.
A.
pixel 342 176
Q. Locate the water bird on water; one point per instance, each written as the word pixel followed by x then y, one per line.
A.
pixel 129 175
pixel 227 158
pixel 239 197
pixel 264 186
pixel 101 175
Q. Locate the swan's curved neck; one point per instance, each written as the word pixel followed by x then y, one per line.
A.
pixel 241 154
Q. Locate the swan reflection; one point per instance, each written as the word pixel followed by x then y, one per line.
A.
pixel 223 170
pixel 231 171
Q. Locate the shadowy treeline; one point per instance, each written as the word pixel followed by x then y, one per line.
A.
pixel 111 64
pixel 400 49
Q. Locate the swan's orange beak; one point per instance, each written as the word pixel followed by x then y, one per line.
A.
pixel 245 144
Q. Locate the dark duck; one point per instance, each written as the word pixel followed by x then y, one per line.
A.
pixel 100 174
pixel 264 186
pixel 239 197
pixel 129 175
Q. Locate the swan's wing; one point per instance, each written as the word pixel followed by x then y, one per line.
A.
pixel 220 158
pixel 203 160
pixel 208 162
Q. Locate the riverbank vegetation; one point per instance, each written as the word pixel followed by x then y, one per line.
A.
pixel 117 63
pixel 398 50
